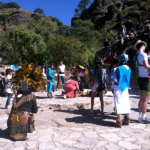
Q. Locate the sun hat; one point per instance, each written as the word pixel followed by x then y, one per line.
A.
pixel 139 42
pixel 44 64
pixel 123 58
pixel 127 36
pixel 106 38
pixel 0 57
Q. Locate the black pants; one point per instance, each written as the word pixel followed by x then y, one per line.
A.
pixel 2 86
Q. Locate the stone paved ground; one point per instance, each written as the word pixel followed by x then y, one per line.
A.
pixel 64 124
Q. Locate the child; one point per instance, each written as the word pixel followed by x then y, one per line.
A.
pixel 8 87
pixel 98 77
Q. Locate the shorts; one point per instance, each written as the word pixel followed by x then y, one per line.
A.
pixel 94 89
pixel 144 85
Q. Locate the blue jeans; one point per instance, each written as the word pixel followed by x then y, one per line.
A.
pixel 9 98
pixel 60 78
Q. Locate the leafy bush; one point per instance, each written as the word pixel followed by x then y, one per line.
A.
pixel 135 7
pixel 37 17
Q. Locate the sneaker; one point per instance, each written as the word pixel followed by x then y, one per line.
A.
pixel 141 120
pixel 91 112
pixel 146 120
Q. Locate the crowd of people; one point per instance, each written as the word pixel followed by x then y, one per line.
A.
pixel 21 119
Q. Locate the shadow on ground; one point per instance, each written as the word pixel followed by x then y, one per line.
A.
pixel 107 120
pixel 4 134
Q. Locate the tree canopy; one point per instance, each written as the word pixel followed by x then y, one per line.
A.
pixel 39 10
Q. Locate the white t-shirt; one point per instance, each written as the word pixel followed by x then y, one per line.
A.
pixel 8 88
pixel 143 72
pixel 61 70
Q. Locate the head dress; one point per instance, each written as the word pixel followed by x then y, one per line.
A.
pixel 29 76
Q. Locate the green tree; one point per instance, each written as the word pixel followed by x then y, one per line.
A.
pixel 71 50
pixel 82 6
pixel 27 43
pixel 39 10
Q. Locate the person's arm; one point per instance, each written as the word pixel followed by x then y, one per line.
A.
pixel 2 76
pixel 93 77
pixel 65 71
pixel 77 86
pixel 146 65
pixel 105 82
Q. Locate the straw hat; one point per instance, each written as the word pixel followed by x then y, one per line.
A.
pixel 139 42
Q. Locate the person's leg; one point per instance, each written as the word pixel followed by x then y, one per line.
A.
pixel 58 82
pixel 102 102
pixel 63 79
pixel 8 100
pixel 92 101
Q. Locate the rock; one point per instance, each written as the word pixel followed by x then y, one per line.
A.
pixel 87 141
pixel 90 134
pixel 46 146
pixel 130 139
pixel 139 126
pixel 112 137
pixel 124 135
pixel 112 146
pixel 81 146
pixel 31 145
pixel 75 135
pixel 100 144
pixel 68 142
pixel 129 145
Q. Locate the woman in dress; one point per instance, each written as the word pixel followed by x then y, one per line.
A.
pixel 71 88
pixel 21 118
pixel 121 78
pixel 50 77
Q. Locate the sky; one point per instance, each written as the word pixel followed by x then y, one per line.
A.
pixel 64 10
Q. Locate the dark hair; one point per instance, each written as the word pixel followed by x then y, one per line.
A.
pixel 72 78
pixel 139 46
pixel 8 71
pixel 16 62
pixel 99 68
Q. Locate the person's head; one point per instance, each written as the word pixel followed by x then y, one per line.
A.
pixel 9 72
pixel 72 78
pixel 140 46
pixel 106 39
pixel 0 59
pixel 121 24
pixel 16 63
pixel 134 32
pixel 44 65
pixel 61 62
pixel 123 59
pixel 51 66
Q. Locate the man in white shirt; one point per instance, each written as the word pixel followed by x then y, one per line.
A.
pixel 141 61
pixel 61 73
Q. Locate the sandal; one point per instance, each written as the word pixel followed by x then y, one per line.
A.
pixel 118 123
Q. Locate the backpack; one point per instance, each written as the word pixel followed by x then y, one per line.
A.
pixel 136 60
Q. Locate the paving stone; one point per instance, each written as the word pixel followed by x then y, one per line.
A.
pixel 113 130
pixel 31 145
pixel 143 135
pixel 112 146
pixel 129 145
pixel 57 144
pixel 130 139
pixel 46 146
pixel 84 140
pixel 147 129
pixel 124 135
pixel 45 138
pixel 90 134
pixel 75 135
pixel 139 126
pixel 145 142
pixel 112 137
pixel 77 129
pixel 146 146
pixel 68 148
pixel 19 148
pixel 68 142
pixel 100 144
pixel 81 146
